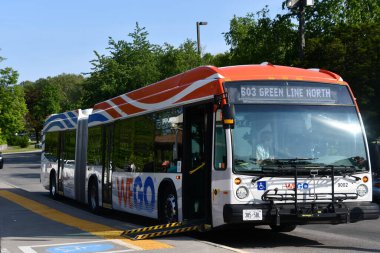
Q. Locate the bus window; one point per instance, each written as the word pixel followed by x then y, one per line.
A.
pixel 220 156
pixel 168 140
pixel 94 150
pixel 51 146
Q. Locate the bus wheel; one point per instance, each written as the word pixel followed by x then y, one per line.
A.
pixel 93 197
pixel 168 212
pixel 283 228
pixel 53 186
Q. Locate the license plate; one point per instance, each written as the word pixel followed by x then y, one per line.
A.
pixel 253 214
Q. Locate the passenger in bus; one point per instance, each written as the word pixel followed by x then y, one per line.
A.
pixel 169 166
pixel 264 150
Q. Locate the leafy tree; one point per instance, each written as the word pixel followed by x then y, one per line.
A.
pixel 326 14
pixel 12 104
pixel 172 61
pixel 42 98
pixel 70 88
pixel 257 38
pixel 130 65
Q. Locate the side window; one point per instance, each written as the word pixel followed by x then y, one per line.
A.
pixel 144 144
pixel 69 147
pixel 123 145
pixel 94 149
pixel 149 143
pixel 168 140
pixel 51 146
pixel 220 155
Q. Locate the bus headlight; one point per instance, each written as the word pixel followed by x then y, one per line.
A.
pixel 362 190
pixel 242 192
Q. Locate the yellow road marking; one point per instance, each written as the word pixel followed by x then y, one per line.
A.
pixel 87 226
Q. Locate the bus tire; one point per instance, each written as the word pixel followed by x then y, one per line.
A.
pixel 283 228
pixel 53 191
pixel 93 197
pixel 168 206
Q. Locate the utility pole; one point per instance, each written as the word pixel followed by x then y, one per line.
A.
pixel 301 28
pixel 300 4
pixel 199 36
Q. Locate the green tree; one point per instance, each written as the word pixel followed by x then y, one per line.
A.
pixel 129 66
pixel 173 61
pixel 12 104
pixel 70 88
pixel 43 99
pixel 326 14
pixel 257 38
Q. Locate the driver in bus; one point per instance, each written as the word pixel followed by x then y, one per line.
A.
pixel 264 150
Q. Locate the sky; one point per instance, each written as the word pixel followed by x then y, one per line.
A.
pixel 41 38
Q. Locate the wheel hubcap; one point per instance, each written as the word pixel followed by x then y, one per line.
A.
pixel 93 198
pixel 170 208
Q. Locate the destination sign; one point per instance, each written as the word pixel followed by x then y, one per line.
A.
pixel 287 92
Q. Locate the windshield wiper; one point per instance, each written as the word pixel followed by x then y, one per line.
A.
pixel 288 161
pixel 345 170
pixel 244 162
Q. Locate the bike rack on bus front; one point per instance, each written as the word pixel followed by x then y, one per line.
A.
pixel 318 199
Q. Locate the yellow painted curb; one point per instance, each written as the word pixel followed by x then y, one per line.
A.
pixel 96 229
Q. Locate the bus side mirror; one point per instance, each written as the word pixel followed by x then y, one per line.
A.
pixel 228 113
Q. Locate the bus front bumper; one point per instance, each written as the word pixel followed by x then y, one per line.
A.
pixel 305 213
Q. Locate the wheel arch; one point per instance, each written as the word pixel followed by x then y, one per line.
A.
pixel 165 184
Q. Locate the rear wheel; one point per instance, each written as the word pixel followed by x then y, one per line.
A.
pixel 93 197
pixel 53 186
pixel 283 228
pixel 168 211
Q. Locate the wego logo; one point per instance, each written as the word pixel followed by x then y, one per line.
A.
pixel 289 186
pixel 124 193
pixel 136 195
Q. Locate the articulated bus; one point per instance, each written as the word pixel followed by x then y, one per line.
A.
pixel 255 145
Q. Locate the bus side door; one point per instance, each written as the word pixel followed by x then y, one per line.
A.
pixel 107 166
pixel 197 159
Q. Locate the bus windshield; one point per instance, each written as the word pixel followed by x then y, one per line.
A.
pixel 303 135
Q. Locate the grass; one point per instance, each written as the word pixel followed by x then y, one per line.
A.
pixel 15 149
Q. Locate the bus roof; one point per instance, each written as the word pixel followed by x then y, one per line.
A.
pixel 198 84
pixel 267 71
pixel 64 121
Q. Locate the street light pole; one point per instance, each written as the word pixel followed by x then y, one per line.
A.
pixel 301 28
pixel 199 36
pixel 300 4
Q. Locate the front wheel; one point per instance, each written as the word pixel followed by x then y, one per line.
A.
pixel 283 228
pixel 168 211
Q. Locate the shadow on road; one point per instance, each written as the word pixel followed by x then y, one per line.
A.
pixel 254 237
pixel 26 175
pixel 353 249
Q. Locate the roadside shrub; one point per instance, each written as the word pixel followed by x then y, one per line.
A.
pixel 3 140
pixel 22 141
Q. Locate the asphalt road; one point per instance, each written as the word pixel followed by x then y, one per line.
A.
pixel 37 230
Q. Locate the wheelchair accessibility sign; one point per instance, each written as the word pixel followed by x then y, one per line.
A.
pixel 261 185
pixel 104 246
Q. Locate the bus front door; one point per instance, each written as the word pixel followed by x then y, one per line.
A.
pixel 197 159
pixel 107 167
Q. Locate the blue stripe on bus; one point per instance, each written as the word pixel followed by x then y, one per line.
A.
pixel 53 124
pixel 62 116
pixel 97 117
pixel 68 123
pixel 73 117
